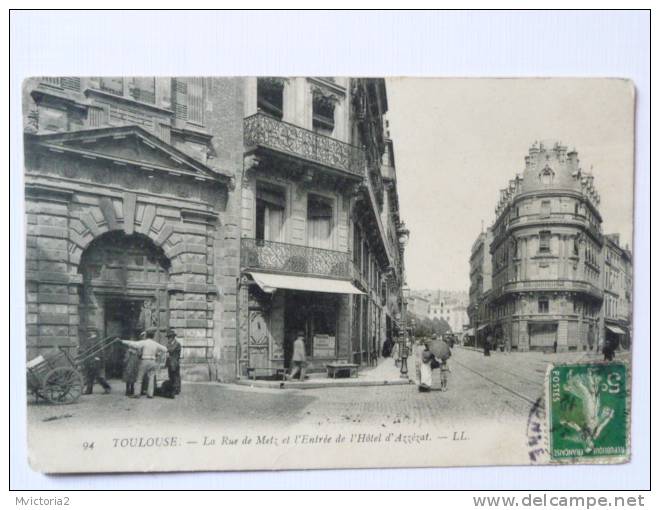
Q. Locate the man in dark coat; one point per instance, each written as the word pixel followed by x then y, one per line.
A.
pixel 608 350
pixel 131 368
pixel 387 347
pixel 488 344
pixel 93 368
pixel 173 362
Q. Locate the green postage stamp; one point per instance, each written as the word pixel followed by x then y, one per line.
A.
pixel 588 412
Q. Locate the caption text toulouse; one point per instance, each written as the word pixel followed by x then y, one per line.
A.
pixel 271 440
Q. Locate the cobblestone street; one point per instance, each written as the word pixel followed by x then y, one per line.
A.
pixel 502 387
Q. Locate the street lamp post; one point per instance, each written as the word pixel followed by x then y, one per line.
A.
pixel 403 347
pixel 404 235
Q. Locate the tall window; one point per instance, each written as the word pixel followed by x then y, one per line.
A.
pixel 545 209
pixel 357 247
pixel 271 203
pixel 365 258
pixel 544 241
pixel 143 89
pixel 319 222
pixel 323 114
pixel 270 94
pixel 544 305
pixel 114 85
pixel 547 175
pixel 188 95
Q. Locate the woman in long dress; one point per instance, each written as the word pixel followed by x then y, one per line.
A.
pixel 425 370
pixel 396 353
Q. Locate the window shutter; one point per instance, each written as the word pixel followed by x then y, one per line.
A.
pixel 70 83
pixel 196 100
pixel 51 80
pixel 180 88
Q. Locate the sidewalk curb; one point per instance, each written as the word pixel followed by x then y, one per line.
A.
pixel 311 385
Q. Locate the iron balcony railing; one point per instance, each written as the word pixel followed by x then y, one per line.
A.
pixel 262 130
pixel 551 285
pixel 295 259
pixel 565 218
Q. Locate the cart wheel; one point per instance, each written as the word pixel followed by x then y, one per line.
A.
pixel 62 385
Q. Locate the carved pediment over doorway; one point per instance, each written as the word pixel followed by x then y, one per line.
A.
pixel 128 146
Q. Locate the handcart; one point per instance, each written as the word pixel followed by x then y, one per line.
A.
pixel 55 375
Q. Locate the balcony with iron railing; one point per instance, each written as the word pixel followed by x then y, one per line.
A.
pixel 263 131
pixel 294 259
pixel 550 285
pixel 564 219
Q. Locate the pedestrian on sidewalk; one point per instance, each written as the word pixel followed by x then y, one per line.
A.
pixel 426 371
pixel 608 350
pixel 441 352
pixel 396 353
pixel 387 347
pixel 299 358
pixel 444 375
pixel 418 349
pixel 488 343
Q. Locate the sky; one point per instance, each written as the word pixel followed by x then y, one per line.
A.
pixel 457 142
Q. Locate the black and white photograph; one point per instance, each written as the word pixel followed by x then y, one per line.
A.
pixel 271 265
pixel 249 269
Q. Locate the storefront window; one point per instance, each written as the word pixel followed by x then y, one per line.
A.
pixel 324 333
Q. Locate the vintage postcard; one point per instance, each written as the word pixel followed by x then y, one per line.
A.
pixel 260 273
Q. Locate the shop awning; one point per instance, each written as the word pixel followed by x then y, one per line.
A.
pixel 483 326
pixel 615 329
pixel 270 282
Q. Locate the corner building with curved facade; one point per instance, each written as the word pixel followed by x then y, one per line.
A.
pixel 546 255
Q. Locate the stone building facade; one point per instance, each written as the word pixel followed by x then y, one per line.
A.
pixel 617 292
pixel 481 274
pixel 313 240
pixel 418 305
pixel 132 221
pixel 547 256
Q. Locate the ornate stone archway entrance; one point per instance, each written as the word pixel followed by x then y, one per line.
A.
pixel 124 290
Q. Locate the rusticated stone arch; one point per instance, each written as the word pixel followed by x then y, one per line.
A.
pixel 127 271
pixel 63 226
pixel 94 217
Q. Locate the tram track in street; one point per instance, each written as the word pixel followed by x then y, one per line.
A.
pixel 499 384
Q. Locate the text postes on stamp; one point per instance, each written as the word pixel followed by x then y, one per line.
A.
pixel 588 412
